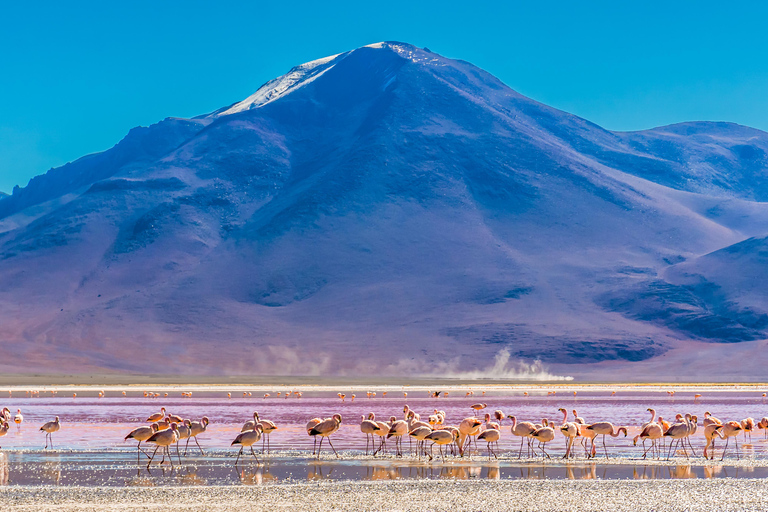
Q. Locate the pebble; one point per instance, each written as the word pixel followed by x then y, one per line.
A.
pixel 515 495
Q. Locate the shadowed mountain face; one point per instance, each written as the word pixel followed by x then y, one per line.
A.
pixel 387 211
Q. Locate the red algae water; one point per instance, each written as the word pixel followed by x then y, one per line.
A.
pixel 89 448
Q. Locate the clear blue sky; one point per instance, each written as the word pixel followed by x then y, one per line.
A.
pixel 74 80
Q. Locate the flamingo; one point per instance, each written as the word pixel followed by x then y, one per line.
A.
pixel 440 438
pixel 195 429
pixel 747 425
pixel 653 417
pixel 4 426
pixel 709 419
pixel 468 427
pixel 543 435
pixel 368 428
pixel 248 438
pixel 397 428
pixel 185 429
pixel 678 431
pixel 731 429
pixel 164 438
pixel 18 419
pixel 523 429
pixel 420 434
pixel 267 427
pixel 570 431
pixel 157 416
pixel 712 431
pixel 578 419
pixel 324 429
pixel 605 428
pixel 141 434
pixel 382 432
pixel 310 425
pixel 652 431
pixel 49 428
pixel 490 435
pixel 763 424
pixel 478 407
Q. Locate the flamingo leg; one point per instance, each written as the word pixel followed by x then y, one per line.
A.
pixel 604 447
pixel 254 455
pixel 186 446
pixel 691 446
pixel 519 455
pixel 142 451
pixel 238 455
pixel 725 448
pixel 198 445
pixel 319 448
pixel 152 457
pixel 669 454
pixel 682 443
pixel 178 454
pixel 332 448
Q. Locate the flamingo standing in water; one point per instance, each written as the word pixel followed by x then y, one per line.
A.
pixel 522 429
pixel 195 429
pixel 248 438
pixel 440 438
pixel 731 429
pixel 679 431
pixel 267 428
pixel 367 427
pixel 18 419
pixel 490 435
pixel 652 431
pixel 544 435
pixel 748 425
pixel 712 431
pixel 763 424
pixel 397 428
pixel 420 434
pixel 324 429
pixel 157 416
pixel 310 425
pixel 605 428
pixel 164 439
pixel 142 434
pixel 467 428
pixel 570 431
pixel 4 426
pixel 49 428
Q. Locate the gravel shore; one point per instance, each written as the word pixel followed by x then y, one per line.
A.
pixel 623 495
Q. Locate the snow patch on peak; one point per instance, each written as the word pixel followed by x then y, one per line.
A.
pixel 297 77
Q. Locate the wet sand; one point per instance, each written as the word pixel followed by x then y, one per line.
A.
pixel 704 495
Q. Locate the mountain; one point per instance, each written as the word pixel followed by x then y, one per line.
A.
pixel 390 211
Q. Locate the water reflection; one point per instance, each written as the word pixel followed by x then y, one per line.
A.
pixel 51 470
pixel 121 469
pixel 5 470
pixel 256 476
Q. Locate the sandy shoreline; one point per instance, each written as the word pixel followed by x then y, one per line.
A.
pixel 670 495
pixel 95 383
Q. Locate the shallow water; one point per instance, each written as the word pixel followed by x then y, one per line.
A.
pixel 89 449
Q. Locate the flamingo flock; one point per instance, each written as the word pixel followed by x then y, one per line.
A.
pixel 480 431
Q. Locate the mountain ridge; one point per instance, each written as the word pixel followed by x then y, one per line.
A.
pixel 388 194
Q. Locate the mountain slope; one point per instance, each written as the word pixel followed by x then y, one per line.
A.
pixel 389 210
